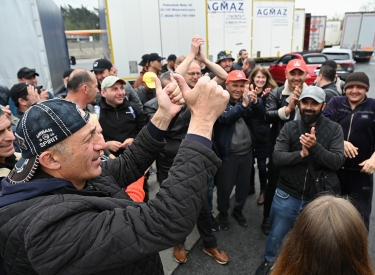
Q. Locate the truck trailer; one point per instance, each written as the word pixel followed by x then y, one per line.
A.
pixel 333 33
pixel 35 38
pixel 298 30
pixel 317 33
pixel 135 28
pixel 358 34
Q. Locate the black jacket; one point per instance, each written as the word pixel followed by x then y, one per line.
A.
pixel 99 230
pixel 327 153
pixel 175 134
pixel 330 90
pixel 358 126
pixel 143 95
pixel 122 122
pixel 277 100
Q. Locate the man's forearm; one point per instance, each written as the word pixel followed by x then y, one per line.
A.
pixel 200 127
pixel 216 69
pixel 184 66
pixel 161 120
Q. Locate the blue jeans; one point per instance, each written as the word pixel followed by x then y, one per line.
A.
pixel 284 212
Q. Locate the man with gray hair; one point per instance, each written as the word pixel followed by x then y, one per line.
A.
pixel 312 141
pixel 248 66
pixel 63 211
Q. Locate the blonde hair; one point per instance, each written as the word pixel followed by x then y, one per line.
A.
pixel 329 238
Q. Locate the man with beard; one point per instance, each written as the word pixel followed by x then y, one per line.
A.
pixel 314 139
pixel 281 107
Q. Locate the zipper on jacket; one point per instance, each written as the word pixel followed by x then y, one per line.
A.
pixel 350 126
pixel 304 184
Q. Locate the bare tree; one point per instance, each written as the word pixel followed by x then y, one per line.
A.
pixel 370 6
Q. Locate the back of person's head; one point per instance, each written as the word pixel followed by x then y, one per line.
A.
pixel 180 59
pixel 251 62
pixel 328 238
pixel 165 78
pixel 328 73
pixel 78 78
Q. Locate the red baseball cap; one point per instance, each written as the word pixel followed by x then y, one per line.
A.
pixel 296 64
pixel 236 75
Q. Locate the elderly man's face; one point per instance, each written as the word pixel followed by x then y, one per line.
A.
pixel 193 74
pixel 6 138
pixel 236 89
pixel 80 161
pixel 92 90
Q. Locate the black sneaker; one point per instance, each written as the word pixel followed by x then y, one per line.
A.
pixel 237 214
pixel 264 268
pixel 266 226
pixel 214 224
pixel 222 218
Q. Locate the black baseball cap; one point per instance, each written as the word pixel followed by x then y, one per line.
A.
pixel 144 60
pixel 100 65
pixel 331 63
pixel 67 73
pixel 26 73
pixel 18 90
pixel 154 56
pixel 172 57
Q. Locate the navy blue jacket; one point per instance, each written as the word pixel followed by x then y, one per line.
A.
pixel 358 128
pixel 225 124
pixel 261 131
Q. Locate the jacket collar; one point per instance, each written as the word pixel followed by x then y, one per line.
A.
pixel 287 91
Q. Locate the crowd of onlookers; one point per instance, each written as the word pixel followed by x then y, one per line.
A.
pixel 304 140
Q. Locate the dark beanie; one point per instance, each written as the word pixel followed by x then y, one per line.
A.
pixel 357 78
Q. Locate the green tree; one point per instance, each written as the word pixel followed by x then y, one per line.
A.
pixel 79 18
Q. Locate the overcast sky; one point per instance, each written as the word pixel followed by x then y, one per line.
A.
pixel 315 7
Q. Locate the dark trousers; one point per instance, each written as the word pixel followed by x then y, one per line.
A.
pixel 262 168
pixel 359 187
pixel 204 218
pixel 205 228
pixel 273 176
pixel 235 170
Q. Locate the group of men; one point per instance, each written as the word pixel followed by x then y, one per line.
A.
pixel 313 130
pixel 60 183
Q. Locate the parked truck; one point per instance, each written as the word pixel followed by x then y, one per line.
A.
pixel 263 27
pixel 298 30
pixel 333 33
pixel 316 33
pixel 272 28
pixel 358 34
pixel 33 38
pixel 135 28
pixel 229 26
